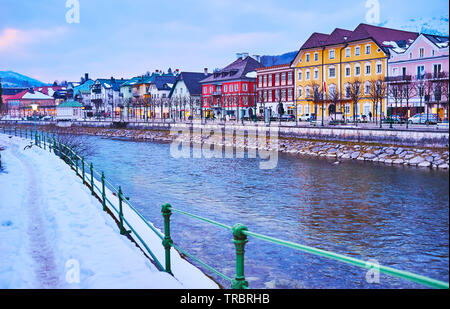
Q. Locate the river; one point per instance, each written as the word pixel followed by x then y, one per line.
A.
pixel 398 216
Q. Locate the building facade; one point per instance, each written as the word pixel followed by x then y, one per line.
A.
pixel 334 73
pixel 275 86
pixel 231 92
pixel 418 77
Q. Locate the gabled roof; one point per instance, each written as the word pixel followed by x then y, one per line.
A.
pixel 236 70
pixel 192 82
pixel 338 36
pixel 315 40
pixel 70 103
pixel 381 35
pixel 28 95
pixel 111 83
pixel 83 88
pixel 439 41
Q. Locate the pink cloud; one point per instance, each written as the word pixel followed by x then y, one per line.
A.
pixel 14 39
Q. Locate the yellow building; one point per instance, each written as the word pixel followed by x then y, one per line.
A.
pixel 333 62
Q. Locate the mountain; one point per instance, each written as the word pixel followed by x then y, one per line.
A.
pixel 434 25
pixel 12 79
pixel 277 60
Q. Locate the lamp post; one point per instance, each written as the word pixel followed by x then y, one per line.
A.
pixel 34 107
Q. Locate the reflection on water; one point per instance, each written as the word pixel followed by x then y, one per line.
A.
pixel 395 215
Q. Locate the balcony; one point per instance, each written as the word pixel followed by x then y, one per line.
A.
pixel 217 93
pixel 401 78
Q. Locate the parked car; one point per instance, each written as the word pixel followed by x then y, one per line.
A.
pixel 47 118
pixel 307 117
pixel 287 117
pixel 394 119
pixel 423 119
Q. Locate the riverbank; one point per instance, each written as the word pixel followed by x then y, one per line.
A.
pixel 386 153
pixel 56 234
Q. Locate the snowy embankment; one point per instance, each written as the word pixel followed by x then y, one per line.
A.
pixel 54 233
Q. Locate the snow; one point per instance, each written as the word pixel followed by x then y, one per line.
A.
pixel 50 225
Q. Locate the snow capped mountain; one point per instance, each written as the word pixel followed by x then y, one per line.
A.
pixel 435 25
pixel 12 79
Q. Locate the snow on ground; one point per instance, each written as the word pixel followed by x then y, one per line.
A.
pixel 50 225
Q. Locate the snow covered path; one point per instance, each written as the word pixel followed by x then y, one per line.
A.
pixel 54 234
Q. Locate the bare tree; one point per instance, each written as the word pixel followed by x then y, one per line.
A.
pixel 355 95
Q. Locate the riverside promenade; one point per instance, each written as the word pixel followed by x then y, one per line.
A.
pixel 56 235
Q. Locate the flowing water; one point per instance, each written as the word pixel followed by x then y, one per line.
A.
pixel 398 216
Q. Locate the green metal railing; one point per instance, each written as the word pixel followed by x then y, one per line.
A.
pixel 98 184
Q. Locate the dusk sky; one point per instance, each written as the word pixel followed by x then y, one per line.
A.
pixel 125 38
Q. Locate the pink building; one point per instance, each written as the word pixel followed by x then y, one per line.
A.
pixel 422 68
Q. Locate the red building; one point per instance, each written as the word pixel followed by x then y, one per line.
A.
pixel 232 90
pixel 20 104
pixel 275 86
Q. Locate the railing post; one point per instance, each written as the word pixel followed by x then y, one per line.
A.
pixel 43 138
pixel 82 168
pixel 103 192
pixel 60 151
pixel 76 164
pixel 92 178
pixel 122 229
pixel 167 241
pixel 69 150
pixel 239 240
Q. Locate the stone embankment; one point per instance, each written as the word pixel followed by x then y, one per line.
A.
pixel 435 158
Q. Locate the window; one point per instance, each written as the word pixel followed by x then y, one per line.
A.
pixel 265 81
pixel 277 79
pixel 210 89
pixel 367 88
pixel 308 77
pixel 437 68
pixel 290 76
pixel 225 88
pixel 332 54
pixel 259 81
pixel 367 109
pixel 307 57
pixel 348 71
pixel 348 52
pixel 283 95
pixel 316 56
pixel 432 53
pixel 300 92
pixel 300 109
pixel 332 72
pixel 367 49
pixel 270 96
pixel 421 52
pixel 245 87
pixel 347 109
pixel 308 92
pixel 357 51
pixel 290 93
pixel 316 74
pixel 404 71
pixel 283 78
pixel 410 55
pixel 357 70
pixel 299 75
pixel 270 80
pixel 236 87
pixel 368 67
pixel 307 109
pixel 420 71
pixel 394 71
pixel 379 68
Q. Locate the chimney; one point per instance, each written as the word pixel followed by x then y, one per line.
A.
pixel 86 76
pixel 206 71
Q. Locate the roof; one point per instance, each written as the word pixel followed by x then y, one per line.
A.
pixel 48 90
pixel 111 83
pixel 278 66
pixel 315 40
pixel 439 41
pixel 70 103
pixel 381 35
pixel 338 36
pixel 83 88
pixel 192 81
pixel 236 70
pixel 164 82
pixel 28 95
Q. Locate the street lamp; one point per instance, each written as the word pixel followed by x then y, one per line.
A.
pixel 34 107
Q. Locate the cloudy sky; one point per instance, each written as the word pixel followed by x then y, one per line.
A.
pixel 124 38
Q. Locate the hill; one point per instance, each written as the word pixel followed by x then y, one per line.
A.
pixel 12 79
